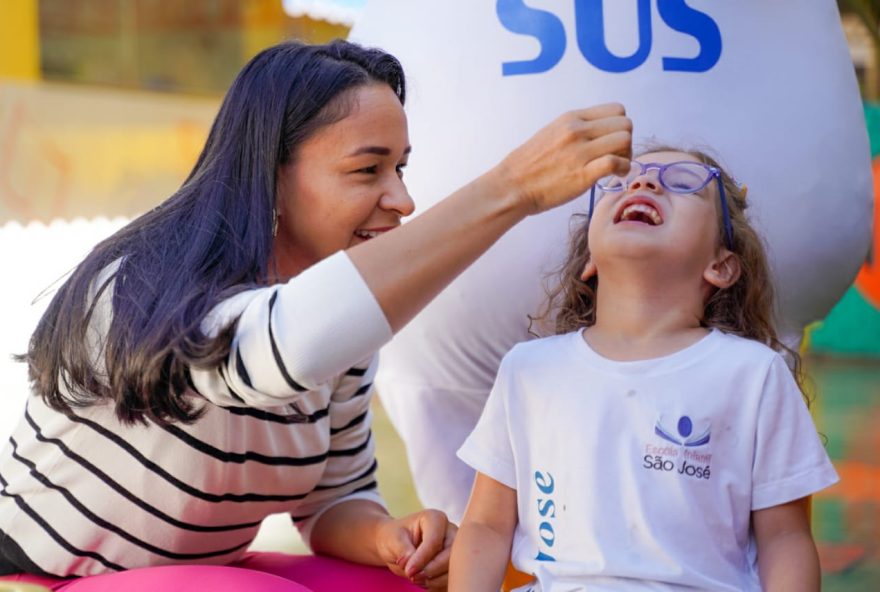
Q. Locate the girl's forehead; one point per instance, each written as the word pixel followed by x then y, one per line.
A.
pixel 665 156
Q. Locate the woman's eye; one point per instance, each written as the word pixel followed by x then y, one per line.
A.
pixel 399 169
pixel 370 170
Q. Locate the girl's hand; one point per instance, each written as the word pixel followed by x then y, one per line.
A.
pixel 417 547
pixel 562 160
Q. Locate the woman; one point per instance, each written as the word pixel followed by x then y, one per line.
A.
pixel 210 364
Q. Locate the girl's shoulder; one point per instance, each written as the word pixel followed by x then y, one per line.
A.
pixel 755 352
pixel 542 348
pixel 744 344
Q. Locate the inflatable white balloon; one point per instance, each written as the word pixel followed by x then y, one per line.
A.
pixel 769 86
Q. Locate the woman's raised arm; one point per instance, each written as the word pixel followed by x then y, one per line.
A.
pixel 406 268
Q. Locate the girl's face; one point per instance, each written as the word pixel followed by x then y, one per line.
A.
pixel 646 222
pixel 344 184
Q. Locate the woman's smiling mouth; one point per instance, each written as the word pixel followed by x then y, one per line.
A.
pixel 368 233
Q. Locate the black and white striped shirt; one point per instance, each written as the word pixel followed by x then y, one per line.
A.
pixel 84 495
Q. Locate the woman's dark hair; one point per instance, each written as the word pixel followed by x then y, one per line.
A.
pixel 213 237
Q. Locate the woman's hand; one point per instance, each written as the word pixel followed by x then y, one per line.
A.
pixel 562 160
pixel 418 547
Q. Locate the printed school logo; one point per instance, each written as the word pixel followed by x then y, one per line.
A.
pixel 685 458
pixel 685 436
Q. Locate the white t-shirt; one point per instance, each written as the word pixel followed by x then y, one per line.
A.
pixel 643 475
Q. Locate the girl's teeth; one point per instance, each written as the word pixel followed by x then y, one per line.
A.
pixel 642 209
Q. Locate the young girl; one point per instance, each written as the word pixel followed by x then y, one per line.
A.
pixel 659 441
pixel 212 362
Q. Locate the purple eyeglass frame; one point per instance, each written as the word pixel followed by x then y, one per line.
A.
pixel 714 172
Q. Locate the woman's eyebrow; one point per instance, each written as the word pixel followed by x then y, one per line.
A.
pixel 378 150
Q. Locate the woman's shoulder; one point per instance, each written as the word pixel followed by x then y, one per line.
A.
pixel 230 308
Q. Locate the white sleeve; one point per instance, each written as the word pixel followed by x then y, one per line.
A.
pixel 790 461
pixel 489 449
pixel 294 337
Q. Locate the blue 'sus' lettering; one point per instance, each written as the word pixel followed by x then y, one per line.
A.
pixel 549 31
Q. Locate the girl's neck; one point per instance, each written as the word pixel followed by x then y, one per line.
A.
pixel 640 316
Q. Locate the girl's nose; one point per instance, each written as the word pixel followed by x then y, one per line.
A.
pixel 646 181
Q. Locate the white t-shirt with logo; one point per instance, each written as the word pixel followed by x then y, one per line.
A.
pixel 643 475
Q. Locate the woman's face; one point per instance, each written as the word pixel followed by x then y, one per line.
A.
pixel 344 184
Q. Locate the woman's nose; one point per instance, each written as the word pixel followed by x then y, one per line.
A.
pixel 397 198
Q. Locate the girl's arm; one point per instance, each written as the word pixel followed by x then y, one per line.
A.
pixel 787 557
pixel 482 548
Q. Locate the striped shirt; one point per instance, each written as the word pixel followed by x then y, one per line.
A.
pixel 286 428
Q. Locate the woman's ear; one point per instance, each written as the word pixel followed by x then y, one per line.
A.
pixel 724 270
pixel 589 270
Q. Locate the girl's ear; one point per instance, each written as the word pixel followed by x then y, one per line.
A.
pixel 724 270
pixel 589 270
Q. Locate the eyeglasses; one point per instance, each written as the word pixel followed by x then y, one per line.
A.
pixel 682 177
